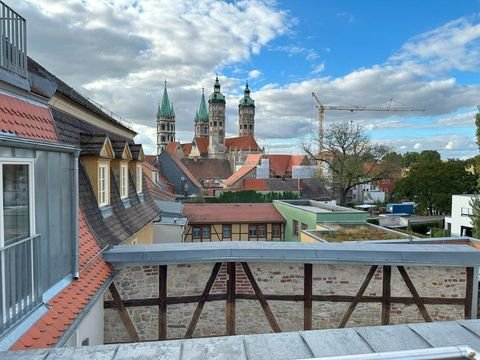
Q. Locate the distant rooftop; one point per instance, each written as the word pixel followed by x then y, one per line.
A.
pixel 439 340
pixel 318 206
pixel 355 232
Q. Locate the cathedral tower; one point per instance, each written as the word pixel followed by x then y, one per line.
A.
pixel 216 122
pixel 201 118
pixel 246 114
pixel 165 122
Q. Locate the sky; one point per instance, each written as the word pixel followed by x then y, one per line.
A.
pixel 422 54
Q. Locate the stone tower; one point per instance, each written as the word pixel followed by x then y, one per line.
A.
pixel 216 123
pixel 165 122
pixel 246 114
pixel 201 118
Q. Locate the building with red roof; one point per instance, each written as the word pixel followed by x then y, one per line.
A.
pixel 233 222
pixel 73 186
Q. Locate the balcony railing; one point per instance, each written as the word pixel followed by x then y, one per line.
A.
pixel 13 41
pixel 19 281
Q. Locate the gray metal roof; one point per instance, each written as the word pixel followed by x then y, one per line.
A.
pixel 171 207
pixel 416 338
pixel 294 252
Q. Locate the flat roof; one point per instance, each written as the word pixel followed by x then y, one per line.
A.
pixel 294 252
pixel 373 342
pixel 318 206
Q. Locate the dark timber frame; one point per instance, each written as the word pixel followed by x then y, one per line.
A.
pixel 231 295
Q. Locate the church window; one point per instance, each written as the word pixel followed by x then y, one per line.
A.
pixel 221 124
pixel 162 126
pixel 162 139
pixel 251 126
pixel 215 124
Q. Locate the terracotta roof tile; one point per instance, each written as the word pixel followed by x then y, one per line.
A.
pixel 158 193
pixel 26 120
pixel 186 149
pixel 172 147
pixel 204 169
pixel 65 306
pixel 255 184
pixel 202 145
pixel 150 158
pixel 243 143
pixel 231 213
pixel 239 174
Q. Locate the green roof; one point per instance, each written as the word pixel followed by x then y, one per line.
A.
pixel 246 100
pixel 202 112
pixel 216 96
pixel 165 108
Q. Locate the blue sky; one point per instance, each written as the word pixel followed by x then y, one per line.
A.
pixel 423 54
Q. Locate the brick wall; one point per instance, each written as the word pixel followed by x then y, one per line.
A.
pixel 280 279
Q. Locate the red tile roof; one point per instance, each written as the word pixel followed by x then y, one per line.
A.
pixel 65 307
pixel 243 143
pixel 186 172
pixel 255 184
pixel 187 148
pixel 231 213
pixel 172 147
pixel 281 165
pixel 26 120
pixel 238 175
pixel 253 159
pixel 202 145
pixel 150 158
pixel 158 193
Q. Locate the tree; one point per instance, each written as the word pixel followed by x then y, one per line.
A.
pixel 475 202
pixel 351 159
pixel 431 183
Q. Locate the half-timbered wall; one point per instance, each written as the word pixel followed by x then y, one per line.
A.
pixel 199 300
pixel 240 232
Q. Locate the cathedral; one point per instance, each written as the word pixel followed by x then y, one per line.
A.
pixel 209 128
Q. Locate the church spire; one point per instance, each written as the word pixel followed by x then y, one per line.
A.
pixel 165 108
pixel 202 112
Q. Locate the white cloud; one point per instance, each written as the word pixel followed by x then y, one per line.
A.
pixel 254 74
pixel 318 68
pixel 139 44
pixel 347 16
pixel 417 146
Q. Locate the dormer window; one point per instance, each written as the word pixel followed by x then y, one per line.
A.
pixel 103 183
pixel 138 178
pixel 123 181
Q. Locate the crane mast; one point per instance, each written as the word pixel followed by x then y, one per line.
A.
pixel 322 108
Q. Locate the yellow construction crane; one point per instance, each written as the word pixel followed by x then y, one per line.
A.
pixel 322 108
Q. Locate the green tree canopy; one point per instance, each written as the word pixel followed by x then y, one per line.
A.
pixel 350 159
pixel 431 182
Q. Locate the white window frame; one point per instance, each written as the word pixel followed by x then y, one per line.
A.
pixel 123 181
pixel 138 178
pixel 105 200
pixel 31 213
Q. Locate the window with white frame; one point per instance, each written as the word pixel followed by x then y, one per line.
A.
pixel 17 229
pixel 123 181
pixel 103 184
pixel 138 179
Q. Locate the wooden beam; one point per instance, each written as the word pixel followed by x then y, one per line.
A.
pixel 230 306
pixel 203 299
pixel 174 300
pixel 162 302
pixel 468 292
pixel 386 294
pixel 261 298
pixel 127 321
pixel 416 298
pixel 357 297
pixel 307 292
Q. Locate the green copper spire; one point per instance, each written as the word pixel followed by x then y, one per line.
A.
pixel 165 109
pixel 216 96
pixel 246 100
pixel 202 112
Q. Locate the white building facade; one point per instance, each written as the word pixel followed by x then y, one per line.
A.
pixel 460 223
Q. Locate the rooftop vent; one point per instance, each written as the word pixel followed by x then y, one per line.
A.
pixel 13 41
